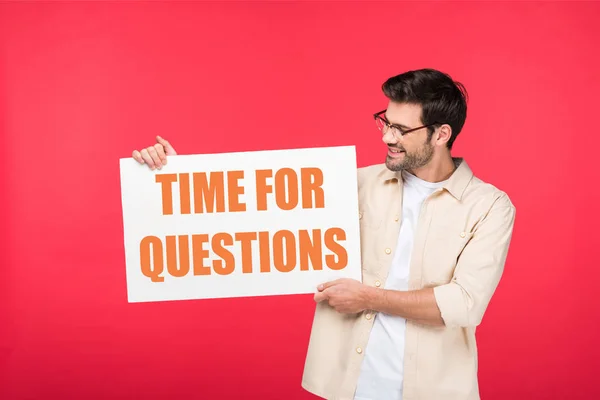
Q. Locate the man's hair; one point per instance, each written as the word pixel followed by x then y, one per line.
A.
pixel 443 100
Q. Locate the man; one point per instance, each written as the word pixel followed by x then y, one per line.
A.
pixel 434 240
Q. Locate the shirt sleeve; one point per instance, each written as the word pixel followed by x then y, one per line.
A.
pixel 463 301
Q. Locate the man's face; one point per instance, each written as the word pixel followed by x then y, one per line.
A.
pixel 413 150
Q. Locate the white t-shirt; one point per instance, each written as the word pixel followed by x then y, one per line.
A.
pixel 382 369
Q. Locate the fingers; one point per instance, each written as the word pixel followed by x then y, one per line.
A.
pixel 329 284
pixel 154 156
pixel 151 157
pixel 138 157
pixel 320 296
pixel 338 305
pixel 147 159
pixel 169 150
pixel 161 153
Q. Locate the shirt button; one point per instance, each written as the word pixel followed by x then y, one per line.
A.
pixel 396 218
pixel 462 234
pixel 358 350
pixel 368 316
pixel 377 283
pixel 388 250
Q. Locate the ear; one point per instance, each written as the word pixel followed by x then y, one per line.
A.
pixel 444 133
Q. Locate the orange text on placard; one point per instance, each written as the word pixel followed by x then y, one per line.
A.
pixel 217 192
pixel 181 255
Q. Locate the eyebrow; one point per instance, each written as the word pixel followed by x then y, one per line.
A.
pixel 404 127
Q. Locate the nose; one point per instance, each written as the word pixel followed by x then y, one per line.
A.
pixel 389 138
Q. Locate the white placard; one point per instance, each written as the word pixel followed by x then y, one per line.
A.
pixel 240 224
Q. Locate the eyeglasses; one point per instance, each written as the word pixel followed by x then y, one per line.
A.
pixel 384 125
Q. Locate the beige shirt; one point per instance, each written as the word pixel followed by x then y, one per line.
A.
pixel 460 247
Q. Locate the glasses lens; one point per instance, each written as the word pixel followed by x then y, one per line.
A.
pixel 380 124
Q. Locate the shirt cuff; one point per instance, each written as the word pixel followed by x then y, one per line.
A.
pixel 451 301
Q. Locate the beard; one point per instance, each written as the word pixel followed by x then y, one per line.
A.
pixel 411 160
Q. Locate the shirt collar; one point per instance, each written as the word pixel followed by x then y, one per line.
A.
pixel 456 184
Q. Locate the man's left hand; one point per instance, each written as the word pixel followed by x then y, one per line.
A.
pixel 347 296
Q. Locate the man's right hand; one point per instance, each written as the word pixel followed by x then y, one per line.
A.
pixel 155 156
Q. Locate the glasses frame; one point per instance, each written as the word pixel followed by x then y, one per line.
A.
pixel 387 124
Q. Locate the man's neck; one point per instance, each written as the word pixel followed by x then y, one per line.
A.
pixel 437 170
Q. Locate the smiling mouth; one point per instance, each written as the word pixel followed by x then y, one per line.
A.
pixel 391 150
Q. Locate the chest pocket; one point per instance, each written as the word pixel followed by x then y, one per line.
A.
pixel 369 219
pixel 443 247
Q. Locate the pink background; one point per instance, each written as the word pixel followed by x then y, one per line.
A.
pixel 83 84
